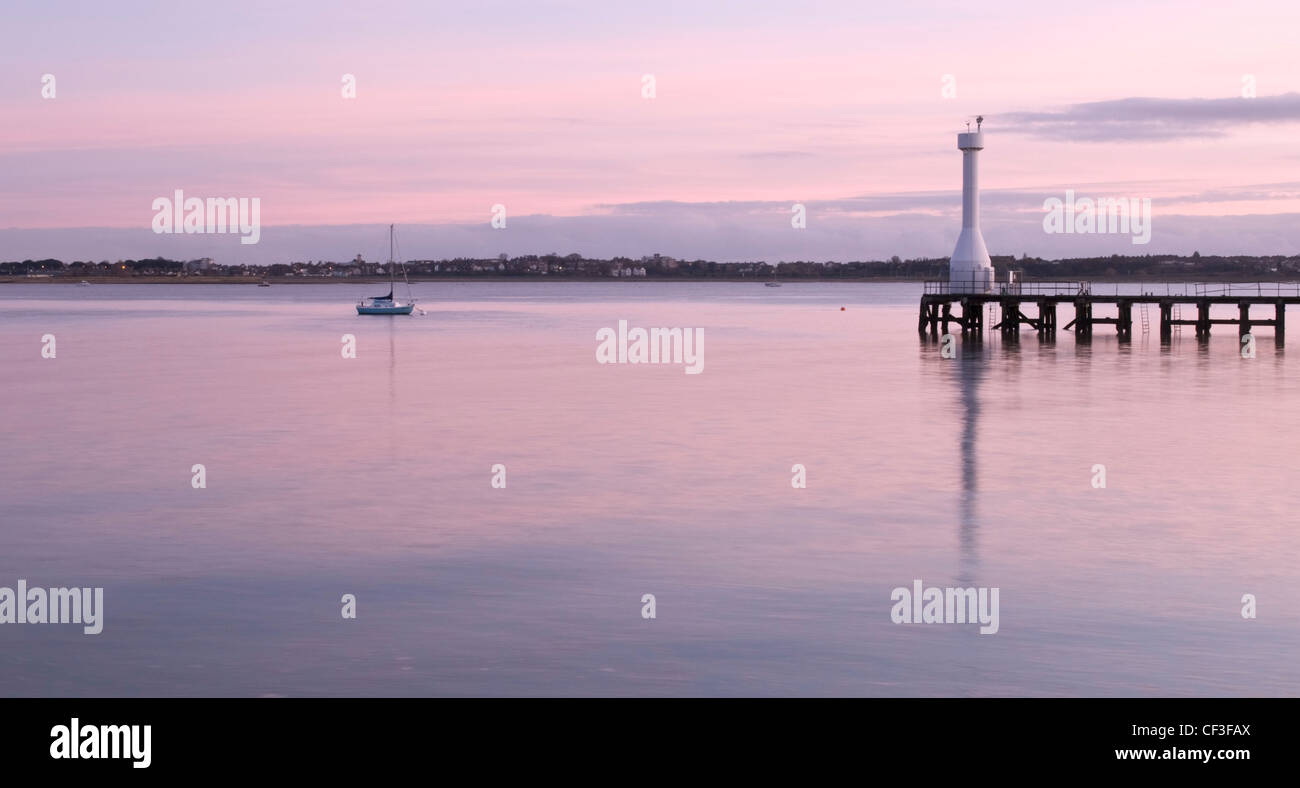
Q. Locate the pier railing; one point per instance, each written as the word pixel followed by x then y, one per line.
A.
pixel 1171 289
pixel 946 287
pixel 1195 289
pixel 1256 289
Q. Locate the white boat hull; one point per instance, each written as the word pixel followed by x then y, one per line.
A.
pixel 385 309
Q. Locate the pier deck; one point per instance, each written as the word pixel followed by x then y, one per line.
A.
pixel 939 299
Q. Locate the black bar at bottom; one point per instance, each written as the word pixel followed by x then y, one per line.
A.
pixel 329 737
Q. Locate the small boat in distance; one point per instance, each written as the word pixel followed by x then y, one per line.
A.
pixel 263 283
pixel 387 305
pixel 772 283
pixel 83 283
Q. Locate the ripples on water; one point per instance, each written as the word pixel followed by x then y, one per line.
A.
pixel 371 476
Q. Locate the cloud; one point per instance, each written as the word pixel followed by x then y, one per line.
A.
pixel 1258 193
pixel 718 231
pixel 1150 119
pixel 941 202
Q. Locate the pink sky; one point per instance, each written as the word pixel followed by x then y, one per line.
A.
pixel 539 107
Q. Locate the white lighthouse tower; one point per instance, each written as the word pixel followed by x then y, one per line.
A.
pixel 970 270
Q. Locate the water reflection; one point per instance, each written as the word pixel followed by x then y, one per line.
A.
pixel 392 364
pixel 970 369
pixel 966 370
pixel 392 387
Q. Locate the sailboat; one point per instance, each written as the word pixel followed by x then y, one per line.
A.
pixel 387 305
pixel 772 283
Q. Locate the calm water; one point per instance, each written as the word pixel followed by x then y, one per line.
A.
pixel 371 476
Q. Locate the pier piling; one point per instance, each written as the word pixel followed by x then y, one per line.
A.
pixel 1046 316
pixel 1202 319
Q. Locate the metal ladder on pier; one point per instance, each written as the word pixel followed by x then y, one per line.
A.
pixel 1146 319
pixel 1178 315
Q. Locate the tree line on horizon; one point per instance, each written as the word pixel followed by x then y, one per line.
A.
pixel 662 267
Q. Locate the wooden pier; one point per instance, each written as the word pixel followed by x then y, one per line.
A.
pixel 944 306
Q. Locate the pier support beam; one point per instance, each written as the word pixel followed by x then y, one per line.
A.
pixel 1279 324
pixel 1046 316
pixel 1202 319
pixel 1243 322
pixel 1083 317
pixel 1124 323
pixel 1166 322
pixel 1010 318
pixel 929 320
pixel 969 317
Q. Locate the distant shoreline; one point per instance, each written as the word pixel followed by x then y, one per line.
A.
pixel 383 280
pixel 253 281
